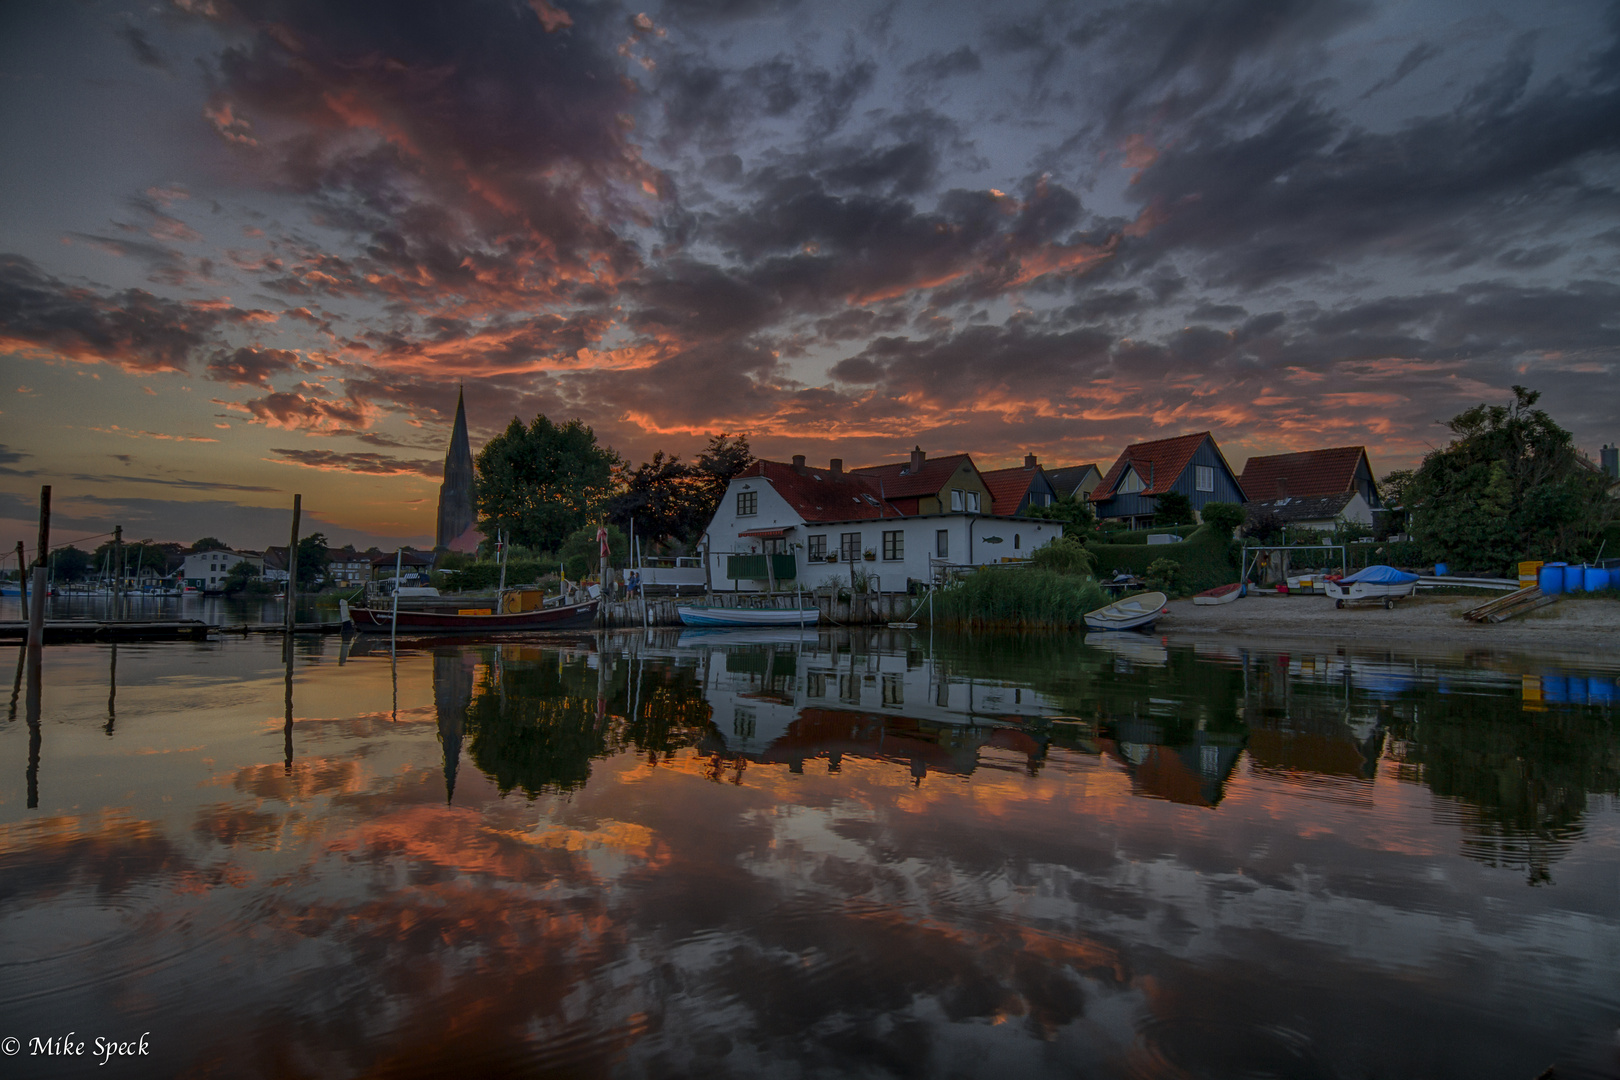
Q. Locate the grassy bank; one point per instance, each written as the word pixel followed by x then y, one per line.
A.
pixel 1018 598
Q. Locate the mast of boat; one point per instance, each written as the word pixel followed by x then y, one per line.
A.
pixel 500 542
pixel 393 619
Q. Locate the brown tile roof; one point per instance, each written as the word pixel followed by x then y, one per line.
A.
pixel 1007 488
pixel 1307 474
pixel 1162 461
pixel 821 495
pixel 899 482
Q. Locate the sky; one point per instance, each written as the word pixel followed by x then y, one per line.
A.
pixel 253 249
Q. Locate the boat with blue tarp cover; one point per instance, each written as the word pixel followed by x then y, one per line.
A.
pixel 1376 583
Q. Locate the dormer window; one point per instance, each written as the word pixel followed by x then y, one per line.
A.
pixel 1129 483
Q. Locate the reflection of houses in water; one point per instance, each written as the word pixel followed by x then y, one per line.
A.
pixel 1319 714
pixel 787 704
pixel 1193 774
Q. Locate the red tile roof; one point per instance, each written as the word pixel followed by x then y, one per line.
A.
pixel 899 482
pixel 1007 488
pixel 1307 474
pixel 1161 461
pixel 820 494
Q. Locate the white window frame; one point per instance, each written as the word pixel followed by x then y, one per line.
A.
pixel 973 502
pixel 956 500
pixel 1203 478
pixel 942 544
pixel 1130 483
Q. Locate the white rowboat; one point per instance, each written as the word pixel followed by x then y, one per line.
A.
pixel 703 615
pixel 1221 594
pixel 1132 613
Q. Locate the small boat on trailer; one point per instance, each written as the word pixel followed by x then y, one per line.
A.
pixel 1221 594
pixel 707 615
pixel 1375 584
pixel 1138 612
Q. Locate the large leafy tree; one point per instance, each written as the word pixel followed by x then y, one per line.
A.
pixel 663 497
pixel 313 560
pixel 540 483
pixel 1075 514
pixel 1509 486
pixel 724 457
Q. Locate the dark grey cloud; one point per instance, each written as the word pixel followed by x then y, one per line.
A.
pixel 143 49
pixel 1415 57
pixel 944 65
pixel 253 367
pixel 367 464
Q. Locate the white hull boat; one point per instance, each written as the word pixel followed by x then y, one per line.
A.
pixel 704 615
pixel 1138 612
pixel 1376 584
pixel 1223 594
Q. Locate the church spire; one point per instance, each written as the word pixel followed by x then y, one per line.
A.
pixel 456 493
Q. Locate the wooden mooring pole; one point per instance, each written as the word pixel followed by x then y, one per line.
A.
pixel 36 607
pixel 292 572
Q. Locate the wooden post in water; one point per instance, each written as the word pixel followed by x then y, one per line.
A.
pixel 22 575
pixel 393 619
pixel 36 608
pixel 292 571
pixel 118 571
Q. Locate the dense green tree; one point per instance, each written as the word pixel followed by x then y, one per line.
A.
pixel 1223 515
pixel 1074 512
pixel 540 483
pixel 312 561
pixel 69 563
pixel 664 497
pixel 137 556
pixel 581 552
pixel 724 457
pixel 1172 508
pixel 209 543
pixel 243 577
pixel 1509 486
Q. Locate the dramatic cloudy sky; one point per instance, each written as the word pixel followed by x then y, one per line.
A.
pixel 248 249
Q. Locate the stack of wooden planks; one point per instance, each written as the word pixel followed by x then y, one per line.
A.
pixel 1510 606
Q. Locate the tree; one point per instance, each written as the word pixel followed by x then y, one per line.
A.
pixel 312 561
pixel 542 482
pixel 581 552
pixel 70 563
pixel 1510 485
pixel 209 543
pixel 243 577
pixel 1396 487
pixel 1224 516
pixel 1074 512
pixel 664 497
pixel 725 457
pixel 1172 508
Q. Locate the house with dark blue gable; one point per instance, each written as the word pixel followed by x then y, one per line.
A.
pixel 1190 464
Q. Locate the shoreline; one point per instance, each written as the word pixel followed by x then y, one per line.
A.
pixel 1426 623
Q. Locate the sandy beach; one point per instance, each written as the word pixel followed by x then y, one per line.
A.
pixel 1421 623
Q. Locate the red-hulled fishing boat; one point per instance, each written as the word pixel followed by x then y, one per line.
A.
pixel 480 620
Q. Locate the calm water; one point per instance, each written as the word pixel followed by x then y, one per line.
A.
pixel 739 855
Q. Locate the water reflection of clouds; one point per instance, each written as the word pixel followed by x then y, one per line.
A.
pixel 1022 908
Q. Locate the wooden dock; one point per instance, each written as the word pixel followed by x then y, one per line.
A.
pixel 62 630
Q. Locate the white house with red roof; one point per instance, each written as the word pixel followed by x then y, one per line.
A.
pixel 1190 464
pixel 1314 488
pixel 898 523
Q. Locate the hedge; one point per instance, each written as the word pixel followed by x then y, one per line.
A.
pixel 1207 558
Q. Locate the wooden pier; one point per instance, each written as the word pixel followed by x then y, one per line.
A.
pixel 62 630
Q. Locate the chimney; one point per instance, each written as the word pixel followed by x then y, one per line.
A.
pixel 917 459
pixel 1282 487
pixel 837 466
pixel 798 464
pixel 1029 461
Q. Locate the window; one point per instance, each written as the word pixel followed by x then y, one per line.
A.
pixel 1204 477
pixel 1015 541
pixel 850 546
pixel 942 543
pixel 894 544
pixel 777 546
pixel 1129 483
pixel 972 502
pixel 818 546
pixel 956 500
pixel 747 503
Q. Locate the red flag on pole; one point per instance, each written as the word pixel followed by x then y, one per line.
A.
pixel 601 537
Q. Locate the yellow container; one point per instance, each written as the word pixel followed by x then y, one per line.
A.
pixel 1529 573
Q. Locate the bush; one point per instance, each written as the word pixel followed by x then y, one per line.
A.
pixel 1173 508
pixel 1164 575
pixel 1223 515
pixel 1018 597
pixel 1065 555
pixel 1207 558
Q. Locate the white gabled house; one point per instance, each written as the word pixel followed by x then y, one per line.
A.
pixel 831 526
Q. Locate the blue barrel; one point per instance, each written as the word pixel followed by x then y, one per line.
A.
pixel 1600 691
pixel 1573 581
pixel 1555 688
pixel 1552 578
pixel 1576 689
pixel 1596 579
pixel 1441 569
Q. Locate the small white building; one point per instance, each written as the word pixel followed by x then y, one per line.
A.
pixel 833 527
pixel 207 570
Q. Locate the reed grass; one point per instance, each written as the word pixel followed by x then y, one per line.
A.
pixel 1018 598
